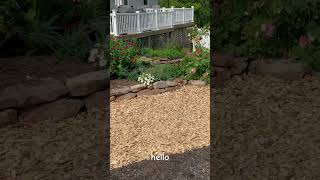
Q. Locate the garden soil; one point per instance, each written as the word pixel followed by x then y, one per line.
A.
pixel 267 128
pixel 30 69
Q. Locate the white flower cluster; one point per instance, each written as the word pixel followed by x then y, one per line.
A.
pixel 146 79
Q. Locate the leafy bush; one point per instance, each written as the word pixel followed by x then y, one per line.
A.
pixel 164 71
pixel 162 53
pixel 196 66
pixel 268 28
pixel 123 54
pixel 41 26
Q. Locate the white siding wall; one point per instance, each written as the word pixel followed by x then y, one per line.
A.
pixel 135 3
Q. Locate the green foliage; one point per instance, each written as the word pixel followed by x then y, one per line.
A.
pixel 196 66
pixel 72 44
pixel 164 71
pixel 42 26
pixel 168 53
pixel 123 54
pixel 268 28
pixel 201 9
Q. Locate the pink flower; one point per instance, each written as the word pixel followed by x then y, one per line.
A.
pixel 304 41
pixel 268 29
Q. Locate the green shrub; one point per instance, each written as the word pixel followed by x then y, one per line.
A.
pixel 164 71
pixel 162 53
pixel 196 66
pixel 73 44
pixel 267 28
pixel 123 54
pixel 42 26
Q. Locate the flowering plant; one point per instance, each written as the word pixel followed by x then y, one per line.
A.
pixel 146 79
pixel 123 53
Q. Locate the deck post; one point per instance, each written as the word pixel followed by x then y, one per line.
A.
pixel 138 22
pixel 192 7
pixel 172 16
pixel 156 14
pixel 183 15
pixel 114 22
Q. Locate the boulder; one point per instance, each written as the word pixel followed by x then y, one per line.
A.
pixel 127 96
pixel 120 91
pixel 60 109
pixel 172 83
pixel 196 83
pixel 97 100
pixel 138 87
pixel 8 116
pixel 179 80
pixel 160 85
pixel 281 69
pixel 88 83
pixel 22 95
pixel 148 92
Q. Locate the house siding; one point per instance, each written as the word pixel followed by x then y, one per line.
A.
pixel 137 4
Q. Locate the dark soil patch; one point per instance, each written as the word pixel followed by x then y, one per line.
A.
pixel 29 69
pixel 266 128
pixel 117 83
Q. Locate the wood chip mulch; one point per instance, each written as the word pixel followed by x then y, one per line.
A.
pixel 174 123
pixel 47 150
pixel 267 128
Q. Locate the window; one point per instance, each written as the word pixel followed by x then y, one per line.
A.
pixel 145 2
pixel 125 2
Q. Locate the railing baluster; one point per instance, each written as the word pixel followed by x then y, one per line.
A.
pixel 138 22
pixel 114 21
pixel 157 24
pixel 172 16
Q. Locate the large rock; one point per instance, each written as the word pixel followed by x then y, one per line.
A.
pixel 127 96
pixel 60 109
pixel 281 69
pixel 138 87
pixel 97 100
pixel 88 83
pixel 160 85
pixel 120 91
pixel 22 96
pixel 9 116
pixel 172 83
pixel 196 83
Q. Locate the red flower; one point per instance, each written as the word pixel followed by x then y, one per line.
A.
pixel 304 41
pixel 198 51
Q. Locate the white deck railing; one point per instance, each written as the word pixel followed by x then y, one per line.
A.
pixel 135 23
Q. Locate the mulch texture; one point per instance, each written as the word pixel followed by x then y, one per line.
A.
pixel 171 123
pixel 52 150
pixel 266 128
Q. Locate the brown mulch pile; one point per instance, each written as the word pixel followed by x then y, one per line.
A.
pixel 29 69
pixel 172 122
pixel 66 149
pixel 267 128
